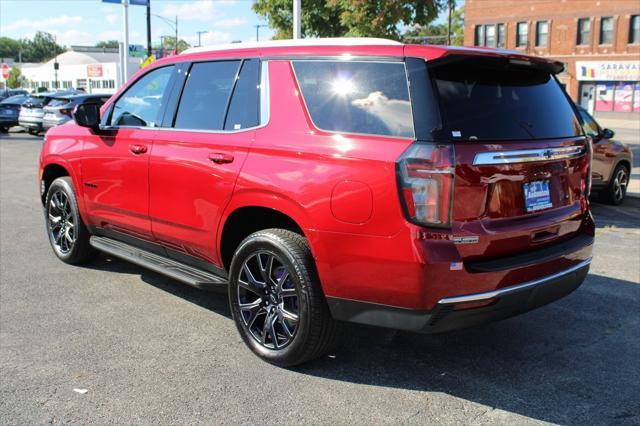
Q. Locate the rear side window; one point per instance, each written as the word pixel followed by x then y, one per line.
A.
pixel 490 99
pixel 357 97
pixel 206 94
pixel 244 108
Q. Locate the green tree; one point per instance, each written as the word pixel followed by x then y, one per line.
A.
pixel 109 44
pixel 337 18
pixel 10 48
pixel 15 79
pixel 42 48
pixel 170 42
pixel 437 34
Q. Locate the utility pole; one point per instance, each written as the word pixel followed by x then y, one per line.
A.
pixel 451 6
pixel 296 19
pixel 149 28
pixel 125 42
pixel 177 34
pixel 199 34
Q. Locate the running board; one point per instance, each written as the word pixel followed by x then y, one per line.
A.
pixel 176 270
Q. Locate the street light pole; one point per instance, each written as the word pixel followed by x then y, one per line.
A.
pixel 258 26
pixel 199 34
pixel 177 34
pixel 125 42
pixel 296 19
pixel 149 28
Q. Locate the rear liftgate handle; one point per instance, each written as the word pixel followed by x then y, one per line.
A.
pixel 221 158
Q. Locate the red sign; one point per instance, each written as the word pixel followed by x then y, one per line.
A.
pixel 5 71
pixel 94 70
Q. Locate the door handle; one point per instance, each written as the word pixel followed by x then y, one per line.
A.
pixel 220 158
pixel 138 149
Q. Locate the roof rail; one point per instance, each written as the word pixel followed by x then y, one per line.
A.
pixel 337 41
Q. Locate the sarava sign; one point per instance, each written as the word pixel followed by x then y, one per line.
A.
pixel 608 70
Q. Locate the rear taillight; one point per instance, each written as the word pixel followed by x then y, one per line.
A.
pixel 425 179
pixel 66 111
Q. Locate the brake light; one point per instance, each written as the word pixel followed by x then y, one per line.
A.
pixel 66 111
pixel 425 178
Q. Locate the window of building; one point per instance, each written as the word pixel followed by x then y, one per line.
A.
pixel 542 34
pixel 634 29
pixel 501 35
pixel 357 97
pixel 490 35
pixel 584 31
pixel 479 41
pixel 141 104
pixel 94 84
pixel 522 33
pixel 606 30
pixel 205 95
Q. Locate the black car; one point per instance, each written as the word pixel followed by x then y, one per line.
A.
pixel 58 111
pixel 10 110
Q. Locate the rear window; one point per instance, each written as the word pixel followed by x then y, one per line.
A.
pixel 58 102
pixel 35 101
pixel 492 99
pixel 357 97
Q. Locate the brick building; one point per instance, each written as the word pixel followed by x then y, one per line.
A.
pixel 598 40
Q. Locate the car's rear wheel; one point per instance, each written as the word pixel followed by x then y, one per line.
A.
pixel 67 233
pixel 276 299
pixel 33 132
pixel 617 188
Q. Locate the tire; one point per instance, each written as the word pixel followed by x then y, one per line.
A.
pixel 4 129
pixel 285 288
pixel 617 189
pixel 32 132
pixel 68 236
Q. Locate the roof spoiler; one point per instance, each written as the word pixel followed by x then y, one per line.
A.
pixel 513 58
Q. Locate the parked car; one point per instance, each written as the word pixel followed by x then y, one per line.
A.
pixel 58 110
pixel 7 93
pixel 9 111
pixel 612 161
pixel 32 111
pixel 422 188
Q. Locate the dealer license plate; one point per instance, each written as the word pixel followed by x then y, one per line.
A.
pixel 537 195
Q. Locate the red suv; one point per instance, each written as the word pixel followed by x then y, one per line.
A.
pixel 421 188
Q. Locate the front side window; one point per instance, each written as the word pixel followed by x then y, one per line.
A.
pixel 584 31
pixel 522 32
pixel 142 103
pixel 542 34
pixel 206 94
pixel 634 29
pixel 606 30
pixel 357 97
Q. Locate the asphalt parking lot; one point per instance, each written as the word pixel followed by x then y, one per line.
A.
pixel 150 350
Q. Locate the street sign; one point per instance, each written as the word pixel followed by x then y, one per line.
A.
pixel 5 71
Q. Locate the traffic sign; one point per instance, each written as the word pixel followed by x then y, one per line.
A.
pixel 5 71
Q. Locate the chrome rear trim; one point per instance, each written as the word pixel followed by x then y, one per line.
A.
pixel 488 295
pixel 528 155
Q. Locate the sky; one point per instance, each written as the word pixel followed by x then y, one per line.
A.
pixel 85 22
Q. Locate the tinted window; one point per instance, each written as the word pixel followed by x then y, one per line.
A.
pixel 357 97
pixel 142 103
pixel 35 102
pixel 492 99
pixel 205 95
pixel 58 102
pixel 244 108
pixel 590 126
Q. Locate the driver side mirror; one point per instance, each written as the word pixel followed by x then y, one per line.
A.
pixel 608 133
pixel 87 115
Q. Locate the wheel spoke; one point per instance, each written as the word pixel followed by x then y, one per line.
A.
pixel 266 267
pixel 54 219
pixel 254 309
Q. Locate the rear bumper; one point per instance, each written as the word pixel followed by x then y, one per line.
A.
pixel 49 123
pixel 8 121
pixel 31 125
pixel 451 313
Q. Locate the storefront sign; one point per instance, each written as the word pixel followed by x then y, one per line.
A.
pixel 94 70
pixel 608 70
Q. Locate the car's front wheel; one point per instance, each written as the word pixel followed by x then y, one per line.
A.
pixel 67 233
pixel 276 299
